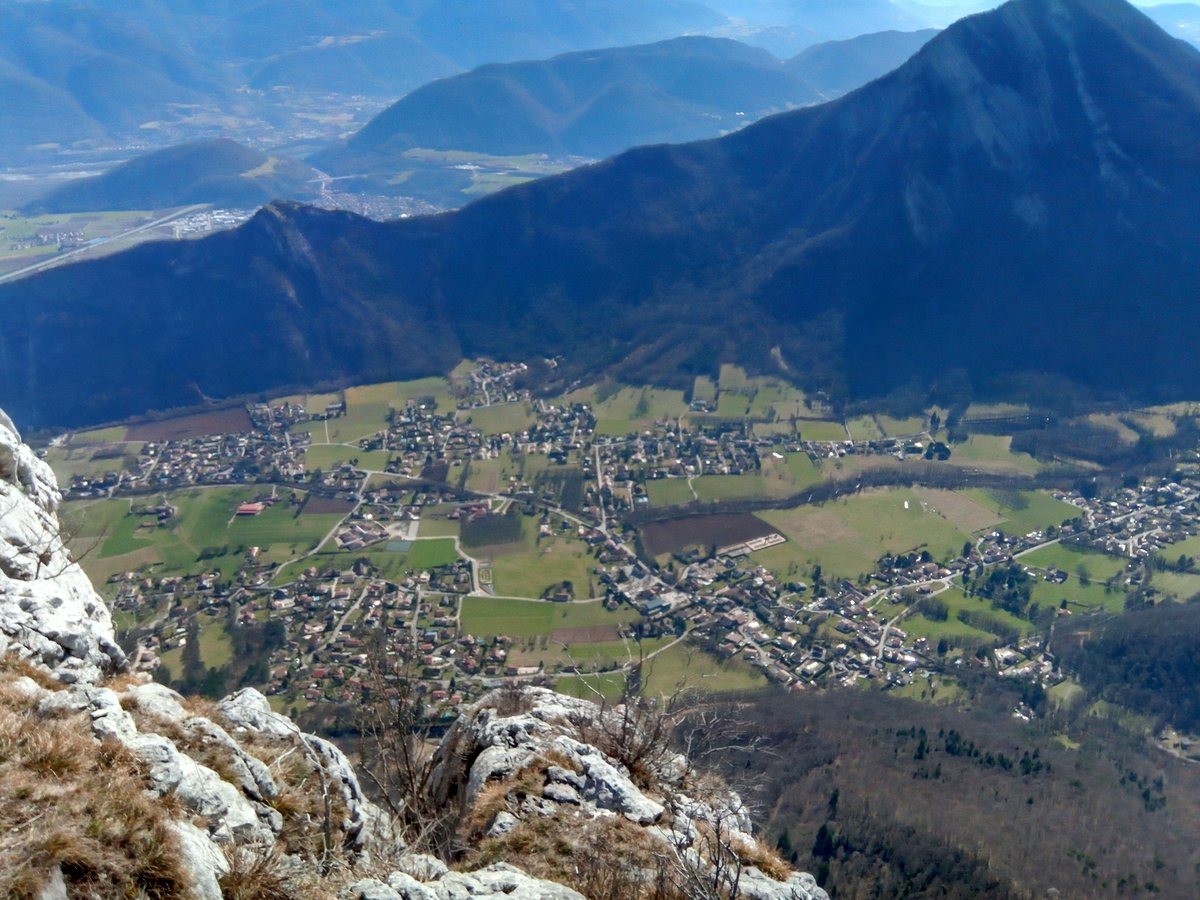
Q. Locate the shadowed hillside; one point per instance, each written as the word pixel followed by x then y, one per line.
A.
pixel 1029 170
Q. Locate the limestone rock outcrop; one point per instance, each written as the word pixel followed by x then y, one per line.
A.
pixel 558 760
pixel 49 612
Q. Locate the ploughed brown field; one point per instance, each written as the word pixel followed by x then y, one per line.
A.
pixel 721 529
pixel 317 506
pixel 220 421
pixel 585 634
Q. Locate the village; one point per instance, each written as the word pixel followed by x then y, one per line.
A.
pixel 371 586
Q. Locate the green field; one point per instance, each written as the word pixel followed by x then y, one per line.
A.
pixel 607 685
pixel 629 409
pixel 367 407
pixel 492 616
pixel 669 491
pixel 502 418
pixel 1099 566
pixel 90 462
pixel 847 536
pixel 992 453
pixel 112 541
pixel 490 476
pixel 113 435
pixel 528 568
pixel 590 656
pixel 432 554
pixel 821 430
pixel 327 457
pixel 686 667
pixel 703 388
pixel 1024 511
pixel 919 626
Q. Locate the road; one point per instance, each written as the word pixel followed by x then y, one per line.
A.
pixel 56 260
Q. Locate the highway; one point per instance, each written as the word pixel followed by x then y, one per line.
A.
pixel 55 260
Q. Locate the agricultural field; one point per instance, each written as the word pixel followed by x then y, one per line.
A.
pixel 992 453
pixel 723 529
pixel 1098 566
pixel 959 633
pixel 556 650
pixel 669 492
pixel 17 229
pixel 503 418
pixel 704 389
pixel 847 536
pixel 205 536
pixel 368 406
pixel 1024 511
pixel 820 430
pixel 687 667
pixel 491 476
pixel 114 434
pixel 87 461
pixel 529 567
pixel 628 409
pixel 432 553
pixel 221 421
pixel 864 428
pixel 494 616
pixel 327 457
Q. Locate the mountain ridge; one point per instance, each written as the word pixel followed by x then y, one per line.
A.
pixel 219 171
pixel 864 243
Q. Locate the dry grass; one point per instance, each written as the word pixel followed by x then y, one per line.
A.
pixel 69 802
pixel 262 876
pixel 757 854
pixel 603 859
pixel 12 668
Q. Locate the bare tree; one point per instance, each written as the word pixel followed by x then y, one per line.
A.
pixel 397 750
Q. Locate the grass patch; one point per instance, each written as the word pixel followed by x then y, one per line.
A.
pixel 531 566
pixel 493 616
pixel 688 667
pixel 669 492
pixel 847 537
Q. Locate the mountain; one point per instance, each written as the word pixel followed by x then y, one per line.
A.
pixel 221 172
pixel 1179 19
pixel 600 102
pixel 76 74
pixel 72 72
pixel 786 27
pixel 836 67
pixel 593 104
pixel 1021 196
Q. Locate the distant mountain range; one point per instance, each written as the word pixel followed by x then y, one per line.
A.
pixel 80 74
pixel 221 172
pixel 600 102
pixel 1023 196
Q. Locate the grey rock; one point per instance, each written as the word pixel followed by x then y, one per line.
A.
pixel 55 888
pixel 202 861
pixel 249 709
pixel 561 793
pixel 559 775
pixel 369 889
pixel 422 866
pixel 500 881
pixel 409 888
pixel 502 823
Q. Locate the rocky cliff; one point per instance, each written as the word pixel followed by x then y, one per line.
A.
pixel 113 786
